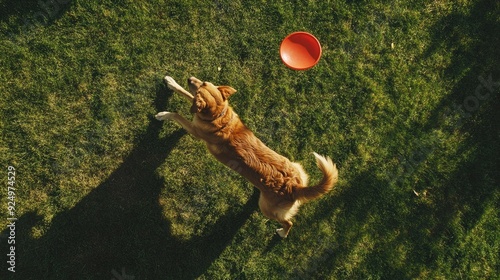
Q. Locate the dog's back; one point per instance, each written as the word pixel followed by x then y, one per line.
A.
pixel 269 171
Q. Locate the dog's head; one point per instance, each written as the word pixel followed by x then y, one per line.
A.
pixel 210 101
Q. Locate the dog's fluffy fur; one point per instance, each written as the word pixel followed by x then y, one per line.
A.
pixel 283 184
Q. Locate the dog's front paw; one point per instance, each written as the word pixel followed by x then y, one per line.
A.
pixel 163 116
pixel 171 83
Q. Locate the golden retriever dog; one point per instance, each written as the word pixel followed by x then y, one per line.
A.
pixel 283 184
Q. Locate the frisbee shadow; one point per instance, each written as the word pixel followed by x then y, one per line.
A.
pixel 119 228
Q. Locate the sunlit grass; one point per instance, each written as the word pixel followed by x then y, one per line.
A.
pixel 394 101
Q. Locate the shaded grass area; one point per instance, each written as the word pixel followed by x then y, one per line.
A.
pixel 405 99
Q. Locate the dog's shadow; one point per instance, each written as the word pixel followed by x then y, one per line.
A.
pixel 118 229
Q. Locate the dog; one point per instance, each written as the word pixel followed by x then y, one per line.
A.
pixel 283 184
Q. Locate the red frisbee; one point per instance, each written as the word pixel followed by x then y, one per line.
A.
pixel 300 50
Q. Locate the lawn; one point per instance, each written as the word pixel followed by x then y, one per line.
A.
pixel 405 99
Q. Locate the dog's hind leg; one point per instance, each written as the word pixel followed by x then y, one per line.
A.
pixel 284 215
pixel 173 85
pixel 283 232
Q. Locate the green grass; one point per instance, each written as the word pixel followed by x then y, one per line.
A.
pixel 405 100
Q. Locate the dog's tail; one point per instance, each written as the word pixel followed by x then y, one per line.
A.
pixel 330 177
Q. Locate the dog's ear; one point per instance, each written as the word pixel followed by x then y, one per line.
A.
pixel 198 105
pixel 226 91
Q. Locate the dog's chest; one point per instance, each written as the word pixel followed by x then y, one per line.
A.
pixel 227 155
pixel 215 150
pixel 223 153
